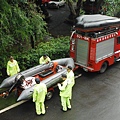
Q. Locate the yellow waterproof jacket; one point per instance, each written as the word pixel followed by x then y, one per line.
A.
pixel 39 93
pixel 12 68
pixel 70 76
pixel 65 89
pixel 44 61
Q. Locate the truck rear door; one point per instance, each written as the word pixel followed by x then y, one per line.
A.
pixel 82 48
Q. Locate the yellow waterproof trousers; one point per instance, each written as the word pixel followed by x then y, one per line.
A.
pixel 65 102
pixel 40 108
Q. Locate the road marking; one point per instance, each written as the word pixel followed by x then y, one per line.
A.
pixel 12 106
pixel 79 75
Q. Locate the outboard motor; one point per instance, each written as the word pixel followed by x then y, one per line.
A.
pixel 17 84
pixel 19 79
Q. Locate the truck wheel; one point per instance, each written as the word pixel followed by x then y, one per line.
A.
pixel 103 67
pixel 49 95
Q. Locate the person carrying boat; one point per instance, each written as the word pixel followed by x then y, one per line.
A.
pixel 65 93
pixel 44 59
pixel 12 67
pixel 39 93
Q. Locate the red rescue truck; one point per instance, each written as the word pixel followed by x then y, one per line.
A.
pixel 95 42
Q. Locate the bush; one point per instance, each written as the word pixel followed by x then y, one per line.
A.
pixel 56 48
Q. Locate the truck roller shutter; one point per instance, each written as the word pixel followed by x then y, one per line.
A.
pixel 82 52
pixel 104 49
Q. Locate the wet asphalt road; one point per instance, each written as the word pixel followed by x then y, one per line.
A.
pixel 57 25
pixel 95 96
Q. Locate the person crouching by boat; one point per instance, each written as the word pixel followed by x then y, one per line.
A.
pixel 65 93
pixel 39 93
pixel 12 67
pixel 44 59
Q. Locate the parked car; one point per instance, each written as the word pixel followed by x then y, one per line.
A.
pixel 56 4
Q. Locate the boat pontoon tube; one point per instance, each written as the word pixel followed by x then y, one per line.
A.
pixel 36 70
pixel 51 81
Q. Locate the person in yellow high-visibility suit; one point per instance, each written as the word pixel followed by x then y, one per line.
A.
pixel 39 93
pixel 12 67
pixel 44 59
pixel 70 76
pixel 65 93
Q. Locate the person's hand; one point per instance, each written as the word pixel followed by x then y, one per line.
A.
pixel 9 75
pixel 58 84
pixel 47 62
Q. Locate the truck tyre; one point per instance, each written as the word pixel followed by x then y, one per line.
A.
pixel 49 95
pixel 103 67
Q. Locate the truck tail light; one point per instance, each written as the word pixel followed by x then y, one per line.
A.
pixel 73 47
pixel 73 41
pixel 72 44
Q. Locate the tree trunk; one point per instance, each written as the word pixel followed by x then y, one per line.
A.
pixel 78 6
pixel 32 42
pixel 73 12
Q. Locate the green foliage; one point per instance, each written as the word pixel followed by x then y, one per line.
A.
pixel 112 7
pixel 7 102
pixel 19 21
pixel 56 48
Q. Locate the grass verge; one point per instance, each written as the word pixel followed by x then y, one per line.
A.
pixel 5 102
